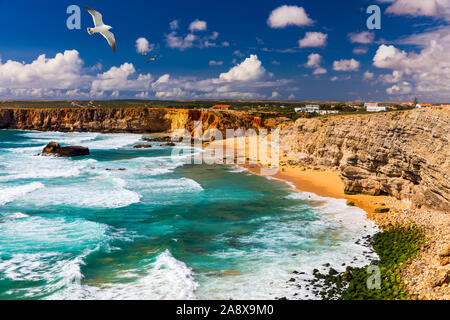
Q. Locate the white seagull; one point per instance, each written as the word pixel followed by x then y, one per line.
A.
pixel 101 28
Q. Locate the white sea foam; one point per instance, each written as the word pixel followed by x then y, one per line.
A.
pixel 170 186
pixel 32 167
pixel 112 141
pixel 12 216
pixel 93 141
pixel 265 270
pixel 10 194
pixel 164 278
pixel 50 234
pixel 50 250
pixel 72 138
pixel 103 192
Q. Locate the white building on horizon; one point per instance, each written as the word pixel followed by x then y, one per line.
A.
pixel 374 107
pixel 310 108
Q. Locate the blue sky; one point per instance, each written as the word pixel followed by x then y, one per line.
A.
pixel 238 51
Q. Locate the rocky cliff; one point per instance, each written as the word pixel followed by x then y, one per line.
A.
pixel 121 120
pixel 402 154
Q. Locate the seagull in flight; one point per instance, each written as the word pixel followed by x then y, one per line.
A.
pixel 152 58
pixel 101 28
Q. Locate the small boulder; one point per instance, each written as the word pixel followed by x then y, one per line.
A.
pixel 158 139
pixel 170 144
pixel 55 149
pixel 441 277
pixel 142 146
pixel 445 252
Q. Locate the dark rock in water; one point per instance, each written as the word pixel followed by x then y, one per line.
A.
pixel 292 280
pixel 158 139
pixel 142 146
pixel 54 148
pixel 170 144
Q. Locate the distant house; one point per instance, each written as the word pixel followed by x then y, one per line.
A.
pixel 308 108
pixel 325 112
pixel 423 105
pixel 221 107
pixel 374 107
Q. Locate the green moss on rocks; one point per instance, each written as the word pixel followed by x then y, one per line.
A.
pixel 394 246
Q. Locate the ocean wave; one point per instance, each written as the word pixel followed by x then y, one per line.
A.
pixel 11 194
pixel 170 186
pixel 164 278
pixel 353 219
pixel 50 251
pixel 100 192
pixel 31 167
pixel 112 141
pixel 12 216
pixel 72 138
pixel 325 235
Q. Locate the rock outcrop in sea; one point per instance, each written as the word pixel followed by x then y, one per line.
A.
pixel 55 149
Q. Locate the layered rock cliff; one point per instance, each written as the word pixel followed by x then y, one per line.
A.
pixel 121 120
pixel 402 154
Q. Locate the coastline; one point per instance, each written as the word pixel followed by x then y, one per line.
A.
pixel 426 275
pixel 324 183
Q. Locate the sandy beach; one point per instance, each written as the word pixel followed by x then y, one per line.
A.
pixel 427 275
pixel 324 183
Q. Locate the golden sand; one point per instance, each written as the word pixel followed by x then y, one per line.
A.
pixel 324 183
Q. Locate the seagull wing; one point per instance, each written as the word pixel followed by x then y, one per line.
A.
pixel 97 16
pixel 152 58
pixel 111 40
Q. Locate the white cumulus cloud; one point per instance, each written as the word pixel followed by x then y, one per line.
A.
pixel 314 61
pixel 313 39
pixel 61 72
pixel 121 78
pixel 215 63
pixel 286 15
pixel 427 71
pixel 143 46
pixel 250 69
pixel 364 37
pixel 346 65
pixel 197 25
pixel 417 8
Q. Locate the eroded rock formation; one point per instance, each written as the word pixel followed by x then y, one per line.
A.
pixel 122 120
pixel 402 154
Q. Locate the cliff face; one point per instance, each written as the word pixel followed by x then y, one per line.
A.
pixel 402 154
pixel 121 120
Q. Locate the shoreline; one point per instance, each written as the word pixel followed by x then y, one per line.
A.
pixel 324 183
pixel 427 275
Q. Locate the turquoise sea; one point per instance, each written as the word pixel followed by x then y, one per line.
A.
pixel 125 223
